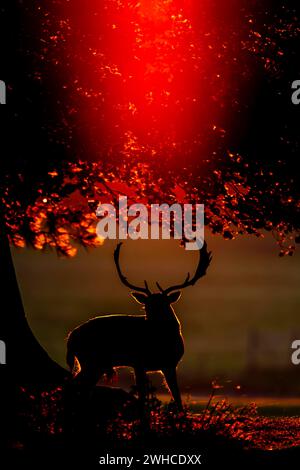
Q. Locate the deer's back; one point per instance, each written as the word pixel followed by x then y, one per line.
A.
pixel 117 323
pixel 107 332
pixel 125 340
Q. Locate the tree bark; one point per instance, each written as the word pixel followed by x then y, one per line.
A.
pixel 26 361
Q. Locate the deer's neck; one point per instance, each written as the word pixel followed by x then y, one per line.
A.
pixel 166 319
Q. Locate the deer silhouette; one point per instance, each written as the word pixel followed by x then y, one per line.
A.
pixel 150 342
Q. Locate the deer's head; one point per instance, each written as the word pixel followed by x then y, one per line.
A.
pixel 157 303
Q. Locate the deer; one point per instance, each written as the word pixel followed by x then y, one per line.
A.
pixel 147 343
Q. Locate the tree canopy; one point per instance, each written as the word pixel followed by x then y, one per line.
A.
pixel 163 101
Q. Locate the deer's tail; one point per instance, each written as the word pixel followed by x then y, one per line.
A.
pixel 71 358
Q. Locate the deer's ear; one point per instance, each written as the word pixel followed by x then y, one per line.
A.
pixel 174 297
pixel 138 297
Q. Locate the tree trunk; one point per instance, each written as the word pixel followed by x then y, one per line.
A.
pixel 26 361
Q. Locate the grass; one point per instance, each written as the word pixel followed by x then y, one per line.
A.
pixel 220 430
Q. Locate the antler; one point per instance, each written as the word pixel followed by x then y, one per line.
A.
pixel 205 258
pixel 145 289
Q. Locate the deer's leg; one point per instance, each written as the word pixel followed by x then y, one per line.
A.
pixel 171 379
pixel 141 381
pixel 88 376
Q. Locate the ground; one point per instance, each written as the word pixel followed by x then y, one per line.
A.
pixel 109 422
